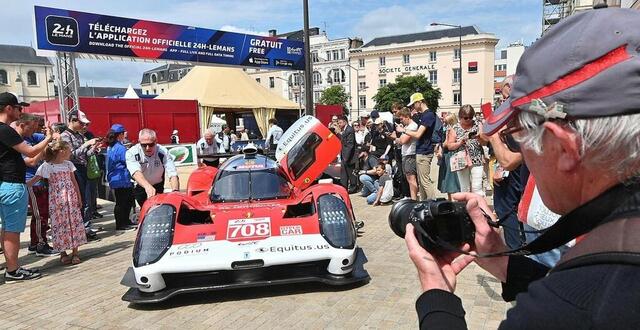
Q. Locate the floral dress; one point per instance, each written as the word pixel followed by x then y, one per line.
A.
pixel 473 145
pixel 64 206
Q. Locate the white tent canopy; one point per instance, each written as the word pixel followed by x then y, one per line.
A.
pixel 131 93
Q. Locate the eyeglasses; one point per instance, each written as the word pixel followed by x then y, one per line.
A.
pixel 466 118
pixel 148 145
pixel 506 136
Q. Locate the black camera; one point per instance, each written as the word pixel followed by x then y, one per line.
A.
pixel 436 222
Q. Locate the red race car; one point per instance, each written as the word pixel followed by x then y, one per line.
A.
pixel 253 221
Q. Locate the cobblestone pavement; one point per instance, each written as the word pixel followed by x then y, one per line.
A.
pixel 88 295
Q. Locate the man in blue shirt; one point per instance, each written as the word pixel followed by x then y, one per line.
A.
pixel 424 146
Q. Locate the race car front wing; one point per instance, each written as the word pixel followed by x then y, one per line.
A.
pixel 179 283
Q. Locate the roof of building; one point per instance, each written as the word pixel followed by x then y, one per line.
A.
pixel 21 54
pixel 162 77
pixel 104 91
pixel 299 34
pixel 422 36
pixel 169 67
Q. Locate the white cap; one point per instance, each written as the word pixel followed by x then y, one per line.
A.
pixel 81 116
pixel 175 131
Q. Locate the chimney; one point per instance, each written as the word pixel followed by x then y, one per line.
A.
pixel 272 33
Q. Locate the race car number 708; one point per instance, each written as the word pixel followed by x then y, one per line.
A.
pixel 246 229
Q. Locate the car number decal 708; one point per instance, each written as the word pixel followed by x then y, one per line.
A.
pixel 248 229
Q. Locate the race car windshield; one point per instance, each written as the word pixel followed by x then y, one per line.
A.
pixel 233 186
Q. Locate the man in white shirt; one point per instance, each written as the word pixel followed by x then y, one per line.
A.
pixel 409 151
pixel 273 135
pixel 207 146
pixel 148 162
pixel 223 140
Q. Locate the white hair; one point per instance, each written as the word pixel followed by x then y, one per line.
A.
pixel 147 132
pixel 608 143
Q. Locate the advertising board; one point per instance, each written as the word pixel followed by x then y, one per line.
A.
pixel 95 34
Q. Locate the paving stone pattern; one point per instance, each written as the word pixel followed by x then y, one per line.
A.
pixel 87 296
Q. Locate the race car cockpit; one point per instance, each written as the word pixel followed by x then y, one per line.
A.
pixel 244 178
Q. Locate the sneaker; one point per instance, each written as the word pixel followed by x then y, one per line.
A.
pixel 92 236
pixel 97 215
pixel 127 228
pixel 21 274
pixel 32 249
pixel 46 251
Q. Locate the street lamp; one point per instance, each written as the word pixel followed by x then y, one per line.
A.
pixel 308 71
pixel 459 47
pixel 358 90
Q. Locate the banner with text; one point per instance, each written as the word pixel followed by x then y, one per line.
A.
pixel 86 33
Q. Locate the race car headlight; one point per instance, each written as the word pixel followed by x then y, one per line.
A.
pixel 336 225
pixel 155 235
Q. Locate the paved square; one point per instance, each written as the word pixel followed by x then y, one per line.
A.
pixel 87 296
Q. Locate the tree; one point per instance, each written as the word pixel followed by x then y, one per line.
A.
pixel 335 95
pixel 401 91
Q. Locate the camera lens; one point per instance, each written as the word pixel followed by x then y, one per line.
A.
pixel 437 220
pixel 400 215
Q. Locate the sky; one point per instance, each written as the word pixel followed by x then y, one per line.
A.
pixel 509 20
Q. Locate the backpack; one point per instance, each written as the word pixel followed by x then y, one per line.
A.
pixel 437 136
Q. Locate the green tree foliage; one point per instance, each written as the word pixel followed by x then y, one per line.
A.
pixel 401 91
pixel 335 95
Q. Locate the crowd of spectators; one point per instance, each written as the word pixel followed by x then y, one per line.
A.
pixel 406 141
pixel 55 169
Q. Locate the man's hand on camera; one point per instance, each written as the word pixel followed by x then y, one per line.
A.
pixel 488 239
pixel 435 271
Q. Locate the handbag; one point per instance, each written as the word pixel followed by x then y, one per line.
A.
pixel 93 170
pixel 460 160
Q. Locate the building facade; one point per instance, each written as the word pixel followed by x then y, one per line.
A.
pixel 329 64
pixel 25 74
pixel 506 62
pixel 434 54
pixel 158 80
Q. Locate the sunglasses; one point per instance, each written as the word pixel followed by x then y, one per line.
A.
pixel 506 136
pixel 148 145
pixel 466 118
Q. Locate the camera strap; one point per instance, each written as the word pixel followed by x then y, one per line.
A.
pixel 622 199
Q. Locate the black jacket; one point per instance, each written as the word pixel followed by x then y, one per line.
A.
pixel 348 139
pixel 597 296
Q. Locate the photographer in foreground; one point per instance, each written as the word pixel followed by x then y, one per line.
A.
pixel 579 136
